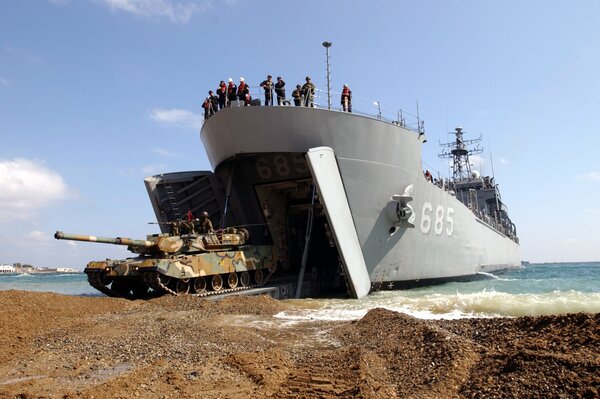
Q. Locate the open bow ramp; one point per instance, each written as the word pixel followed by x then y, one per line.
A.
pixel 326 176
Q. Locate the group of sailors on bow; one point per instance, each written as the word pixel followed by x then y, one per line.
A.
pixel 303 96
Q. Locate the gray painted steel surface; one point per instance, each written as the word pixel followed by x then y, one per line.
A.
pixel 376 160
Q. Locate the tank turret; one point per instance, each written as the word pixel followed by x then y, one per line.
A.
pixel 201 264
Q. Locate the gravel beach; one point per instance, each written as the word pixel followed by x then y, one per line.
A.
pixel 56 346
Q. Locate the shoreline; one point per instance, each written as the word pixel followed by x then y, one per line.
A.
pixel 70 346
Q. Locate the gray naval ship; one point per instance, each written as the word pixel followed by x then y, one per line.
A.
pixel 343 199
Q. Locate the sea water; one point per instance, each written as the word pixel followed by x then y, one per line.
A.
pixel 533 290
pixel 61 283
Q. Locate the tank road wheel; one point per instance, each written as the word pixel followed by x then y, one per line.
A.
pixel 164 280
pixel 258 276
pixel 182 286
pixel 200 285
pixel 232 280
pixel 245 279
pixel 216 282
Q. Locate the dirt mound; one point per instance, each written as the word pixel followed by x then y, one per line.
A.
pixel 187 347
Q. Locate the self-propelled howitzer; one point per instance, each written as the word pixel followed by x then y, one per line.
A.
pixel 198 264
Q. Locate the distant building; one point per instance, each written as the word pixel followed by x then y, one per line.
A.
pixel 7 269
pixel 66 270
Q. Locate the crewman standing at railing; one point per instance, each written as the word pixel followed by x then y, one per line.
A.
pixel 280 90
pixel 297 96
pixel 209 105
pixel 346 99
pixel 231 92
pixel 267 85
pixel 222 94
pixel 308 90
pixel 243 92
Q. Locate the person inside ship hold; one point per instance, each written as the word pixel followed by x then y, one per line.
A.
pixel 231 92
pixel 222 94
pixel 267 85
pixel 280 91
pixel 204 225
pixel 346 99
pixel 308 91
pixel 243 92
pixel 297 96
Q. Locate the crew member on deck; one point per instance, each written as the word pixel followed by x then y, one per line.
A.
pixel 346 99
pixel 231 92
pixel 267 85
pixel 243 92
pixel 297 96
pixel 222 94
pixel 308 91
pixel 280 90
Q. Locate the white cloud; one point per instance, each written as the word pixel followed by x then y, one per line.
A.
pixel 176 11
pixel 503 160
pixel 166 153
pixel 27 186
pixel 38 237
pixel 153 169
pixel 594 176
pixel 178 117
pixel 5 82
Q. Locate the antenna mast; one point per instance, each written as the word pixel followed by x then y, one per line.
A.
pixel 327 45
pixel 459 152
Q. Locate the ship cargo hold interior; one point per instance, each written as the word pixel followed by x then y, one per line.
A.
pixel 274 198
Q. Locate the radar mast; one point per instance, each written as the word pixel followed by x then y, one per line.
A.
pixel 459 152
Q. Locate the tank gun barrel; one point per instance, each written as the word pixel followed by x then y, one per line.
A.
pixel 59 235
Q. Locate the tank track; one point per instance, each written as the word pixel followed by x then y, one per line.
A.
pixel 152 279
pixel 95 281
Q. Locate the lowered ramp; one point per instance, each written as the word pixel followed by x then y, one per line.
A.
pixel 327 178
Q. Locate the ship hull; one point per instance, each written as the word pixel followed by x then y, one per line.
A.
pixel 377 162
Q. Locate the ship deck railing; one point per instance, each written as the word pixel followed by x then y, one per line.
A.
pixel 360 106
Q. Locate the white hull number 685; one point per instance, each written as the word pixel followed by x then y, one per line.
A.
pixel 441 218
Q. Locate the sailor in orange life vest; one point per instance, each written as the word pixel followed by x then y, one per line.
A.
pixel 243 92
pixel 346 99
pixel 231 92
pixel 222 93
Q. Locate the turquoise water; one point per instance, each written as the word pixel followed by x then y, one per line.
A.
pixel 67 283
pixel 537 289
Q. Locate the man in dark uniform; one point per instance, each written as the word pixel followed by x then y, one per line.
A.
pixel 222 94
pixel 208 108
pixel 267 85
pixel 280 90
pixel 308 90
pixel 243 92
pixel 346 99
pixel 231 92
pixel 297 96
pixel 214 100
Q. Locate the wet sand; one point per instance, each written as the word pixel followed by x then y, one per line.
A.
pixel 56 346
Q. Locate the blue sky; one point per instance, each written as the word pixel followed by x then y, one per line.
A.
pixel 95 95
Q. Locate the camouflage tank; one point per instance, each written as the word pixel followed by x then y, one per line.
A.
pixel 194 264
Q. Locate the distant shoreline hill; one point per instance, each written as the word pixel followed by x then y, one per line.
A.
pixel 21 269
